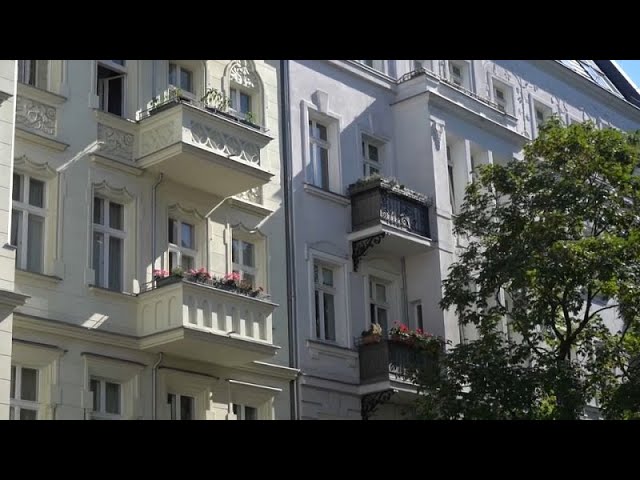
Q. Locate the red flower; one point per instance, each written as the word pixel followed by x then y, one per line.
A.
pixel 404 328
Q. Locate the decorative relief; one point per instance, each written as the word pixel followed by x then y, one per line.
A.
pixel 436 134
pixel 224 144
pixel 117 143
pixel 243 73
pixel 36 116
pixel 158 138
pixel 25 164
pixel 253 195
pixel 118 194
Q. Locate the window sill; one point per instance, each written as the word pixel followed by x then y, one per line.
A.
pixel 39 94
pixel 331 196
pixel 250 207
pixel 25 275
pixel 101 291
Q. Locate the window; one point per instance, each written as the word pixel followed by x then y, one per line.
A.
pixel 319 148
pixel 243 412
pixel 111 86
pixel 417 315
pixel 500 98
pixel 240 102
pixel 181 77
pixel 28 222
pixel 371 158
pixel 452 188
pixel 375 64
pixel 182 407
pixel 33 72
pixel 23 393
pixel 325 308
pixel 182 246
pixel 459 73
pixel 541 113
pixel 107 399
pixel 108 243
pixel 456 74
pixel 379 306
pixel 503 96
pixel 244 261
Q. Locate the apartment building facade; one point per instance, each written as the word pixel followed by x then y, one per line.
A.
pixel 148 233
pixel 382 151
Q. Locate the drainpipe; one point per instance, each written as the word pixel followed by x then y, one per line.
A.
pixel 287 180
pixel 154 387
pixel 153 219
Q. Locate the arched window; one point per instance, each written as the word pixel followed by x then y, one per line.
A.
pixel 245 91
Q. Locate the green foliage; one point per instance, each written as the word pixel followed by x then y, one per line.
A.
pixel 547 238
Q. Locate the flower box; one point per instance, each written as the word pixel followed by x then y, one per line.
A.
pixel 163 281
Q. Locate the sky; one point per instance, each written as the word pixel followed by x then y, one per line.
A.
pixel 632 69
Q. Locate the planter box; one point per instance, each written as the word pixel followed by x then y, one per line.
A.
pixel 162 281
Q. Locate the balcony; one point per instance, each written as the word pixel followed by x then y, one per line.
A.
pixel 202 148
pixel 390 216
pixel 198 321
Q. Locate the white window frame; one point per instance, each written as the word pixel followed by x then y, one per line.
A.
pixel 27 67
pixel 417 314
pixel 535 102
pixel 466 73
pixel 316 143
pixel 17 403
pixel 368 164
pixel 108 232
pixel 386 304
pixel 102 414
pixel 240 411
pixel 103 86
pixel 508 94
pixel 177 248
pixel 184 92
pixel 451 180
pixel 235 93
pixel 239 266
pixel 424 64
pixel 320 289
pixel 377 65
pixel 24 209
pixel 178 396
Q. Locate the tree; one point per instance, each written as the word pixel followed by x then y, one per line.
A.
pixel 550 278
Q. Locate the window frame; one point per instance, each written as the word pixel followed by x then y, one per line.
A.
pixel 535 104
pixel 380 67
pixel 466 74
pixel 375 303
pixel 24 209
pixel 241 411
pixel 32 68
pixel 320 289
pixel 177 248
pixel 179 67
pixel 107 232
pixel 508 93
pixel 178 397
pixel 235 98
pixel 239 266
pixel 315 144
pixel 102 414
pixel 102 89
pixel 366 142
pixel 17 404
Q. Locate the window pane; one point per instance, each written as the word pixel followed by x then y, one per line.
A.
pixel 119 62
pixel 173 74
pixel 29 384
pixel 98 257
pixel 187 262
pixel 247 254
pixel 26 414
pixel 236 409
pixel 116 216
pixel 98 211
pixel 17 187
pixel 12 413
pixel 16 229
pixel 185 80
pixel 327 277
pixel 373 153
pixel 245 103
pixel 115 263
pixel 173 261
pixel 235 251
pixel 36 193
pixel 329 318
pixel 115 96
pixel 250 413
pixel 372 312
pixel 94 387
pixel 187 236
pixel 249 278
pixel 315 273
pixel 35 243
pixel 233 94
pixel 322 132
pixel 173 231
pixel 381 293
pixel 171 400
pixel 419 317
pixel 112 401
pixel 186 408
pixel 382 318
pixel 317 305
pixel 12 391
pixel 324 165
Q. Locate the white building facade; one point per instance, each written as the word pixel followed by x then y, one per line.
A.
pixel 377 251
pixel 123 171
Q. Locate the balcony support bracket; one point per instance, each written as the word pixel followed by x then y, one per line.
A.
pixel 372 401
pixel 361 247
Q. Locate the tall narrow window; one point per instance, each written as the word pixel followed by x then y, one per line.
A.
pixel 110 87
pixel 34 73
pixel 182 245
pixel 23 393
pixel 107 399
pixel 452 187
pixel 181 77
pixel 240 102
pixel 108 243
pixel 182 407
pixel 28 222
pixel 325 309
pixel 418 313
pixel 456 74
pixel 379 306
pixel 503 96
pixel 319 149
pixel 243 257
pixel 244 412
pixel 371 158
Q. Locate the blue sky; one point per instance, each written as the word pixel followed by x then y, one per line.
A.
pixel 631 68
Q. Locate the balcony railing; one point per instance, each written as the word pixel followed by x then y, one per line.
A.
pixel 379 200
pixel 389 359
